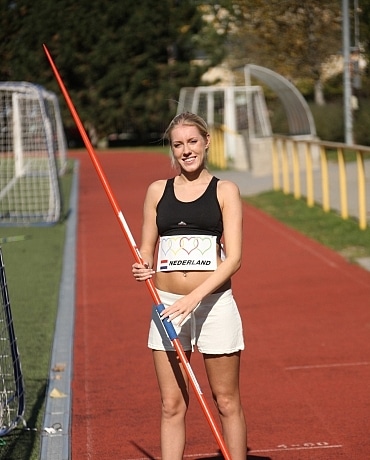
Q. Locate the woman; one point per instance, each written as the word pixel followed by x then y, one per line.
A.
pixel 190 213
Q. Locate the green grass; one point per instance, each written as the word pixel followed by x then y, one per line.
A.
pixel 344 236
pixel 33 270
pixel 349 156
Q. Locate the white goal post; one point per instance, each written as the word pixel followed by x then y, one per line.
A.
pixel 32 155
pixel 239 123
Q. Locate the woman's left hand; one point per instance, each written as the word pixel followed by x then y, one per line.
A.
pixel 180 310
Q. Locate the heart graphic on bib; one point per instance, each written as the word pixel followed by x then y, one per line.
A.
pixel 192 243
pixel 189 244
pixel 206 244
pixel 166 245
pixel 187 251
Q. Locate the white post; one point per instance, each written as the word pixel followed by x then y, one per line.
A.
pixel 230 121
pixel 17 136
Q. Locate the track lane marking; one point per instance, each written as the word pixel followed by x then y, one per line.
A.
pixel 326 366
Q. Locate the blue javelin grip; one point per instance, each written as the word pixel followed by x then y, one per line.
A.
pixel 166 323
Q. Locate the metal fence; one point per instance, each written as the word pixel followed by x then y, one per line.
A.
pixel 334 174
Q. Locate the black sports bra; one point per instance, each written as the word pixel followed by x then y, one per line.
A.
pixel 202 216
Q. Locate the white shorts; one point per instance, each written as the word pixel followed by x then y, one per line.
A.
pixel 215 326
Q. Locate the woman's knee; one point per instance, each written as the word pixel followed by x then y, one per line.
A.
pixel 227 404
pixel 173 407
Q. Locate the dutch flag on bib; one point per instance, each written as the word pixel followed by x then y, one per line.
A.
pixel 164 264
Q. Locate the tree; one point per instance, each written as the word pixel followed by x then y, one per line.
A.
pixel 364 32
pixel 293 38
pixel 122 62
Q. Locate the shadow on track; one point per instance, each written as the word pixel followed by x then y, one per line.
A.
pixel 218 457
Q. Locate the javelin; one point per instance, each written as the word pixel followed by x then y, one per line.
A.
pixel 136 253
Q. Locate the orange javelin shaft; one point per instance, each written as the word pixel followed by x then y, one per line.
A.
pixel 136 253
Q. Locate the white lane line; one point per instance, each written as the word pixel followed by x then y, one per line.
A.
pixel 324 366
pixel 283 449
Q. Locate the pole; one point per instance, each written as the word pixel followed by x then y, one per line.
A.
pixel 348 118
pixel 135 251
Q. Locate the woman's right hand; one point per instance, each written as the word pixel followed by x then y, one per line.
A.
pixel 142 272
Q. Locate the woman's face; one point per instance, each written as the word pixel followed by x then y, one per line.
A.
pixel 189 147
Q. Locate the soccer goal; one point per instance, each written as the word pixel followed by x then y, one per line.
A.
pixel 12 401
pixel 32 155
pixel 238 121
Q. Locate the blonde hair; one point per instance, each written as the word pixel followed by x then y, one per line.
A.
pixel 186 119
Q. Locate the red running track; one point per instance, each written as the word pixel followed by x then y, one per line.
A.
pixel 306 369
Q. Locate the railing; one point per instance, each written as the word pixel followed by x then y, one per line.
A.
pixel 217 157
pixel 301 160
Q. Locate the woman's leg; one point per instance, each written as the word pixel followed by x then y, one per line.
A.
pixel 223 376
pixel 173 385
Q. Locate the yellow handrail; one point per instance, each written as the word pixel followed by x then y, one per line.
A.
pixel 325 180
pixel 286 163
pixel 361 189
pixel 285 166
pixel 309 176
pixel 275 166
pixel 217 155
pixel 296 171
pixel 342 184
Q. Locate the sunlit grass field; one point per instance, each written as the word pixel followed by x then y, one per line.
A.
pixel 344 236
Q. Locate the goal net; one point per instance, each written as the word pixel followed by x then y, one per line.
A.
pixel 32 155
pixel 12 400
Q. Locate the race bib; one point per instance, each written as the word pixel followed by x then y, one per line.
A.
pixel 187 252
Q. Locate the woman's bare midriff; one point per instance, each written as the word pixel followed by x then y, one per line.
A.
pixel 183 282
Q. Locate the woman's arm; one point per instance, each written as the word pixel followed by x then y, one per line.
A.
pixel 149 234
